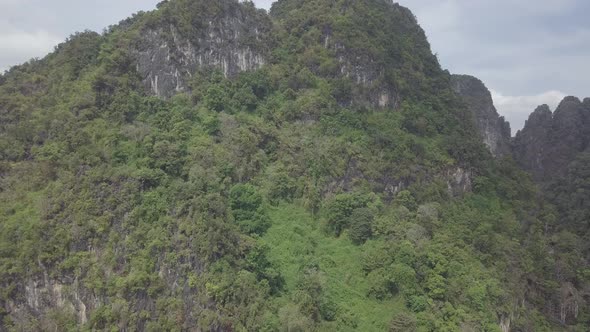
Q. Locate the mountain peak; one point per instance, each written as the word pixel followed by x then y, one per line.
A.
pixel 208 166
pixel 571 99
pixel 185 36
pixel 493 129
pixel 570 109
pixel 550 141
pixel 368 42
pixel 541 114
pixel 469 85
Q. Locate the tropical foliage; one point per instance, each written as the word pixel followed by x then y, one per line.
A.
pixel 271 200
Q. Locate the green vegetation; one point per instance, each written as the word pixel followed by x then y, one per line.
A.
pixel 275 200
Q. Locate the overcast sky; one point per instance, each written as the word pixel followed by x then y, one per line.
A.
pixel 528 52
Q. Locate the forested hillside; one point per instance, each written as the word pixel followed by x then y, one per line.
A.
pixel 208 166
pixel 554 148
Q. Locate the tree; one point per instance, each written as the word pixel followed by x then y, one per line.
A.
pixel 257 262
pixel 292 320
pixel 403 322
pixel 216 98
pixel 341 208
pixel 361 221
pixel 247 207
pixel 168 157
pixel 406 199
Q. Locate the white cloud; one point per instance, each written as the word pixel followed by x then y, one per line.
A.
pixel 19 46
pixel 519 47
pixel 439 16
pixel 33 43
pixel 263 3
pixel 8 2
pixel 527 7
pixel 32 28
pixel 517 109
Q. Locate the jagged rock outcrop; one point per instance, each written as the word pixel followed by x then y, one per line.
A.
pixel 169 46
pixel 45 294
pixel 229 36
pixel 459 181
pixel 553 148
pixel 549 142
pixel 493 128
pixel 233 36
pixel 373 66
pixel 530 143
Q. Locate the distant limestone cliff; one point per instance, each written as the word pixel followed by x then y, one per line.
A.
pixel 549 142
pixel 546 145
pixel 493 128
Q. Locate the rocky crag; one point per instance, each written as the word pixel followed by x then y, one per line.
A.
pixel 494 130
pixel 361 55
pixel 227 35
pixel 134 166
pixel 546 145
pixel 550 141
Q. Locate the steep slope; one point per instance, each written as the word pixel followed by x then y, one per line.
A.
pixel 549 142
pixel 376 49
pixel 553 147
pixel 209 167
pixel 173 45
pixel 493 129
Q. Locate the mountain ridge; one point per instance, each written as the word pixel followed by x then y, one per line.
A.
pixel 320 173
pixel 550 141
pixel 493 128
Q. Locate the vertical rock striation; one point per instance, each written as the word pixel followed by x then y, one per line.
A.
pixel 384 62
pixel 493 129
pixel 229 36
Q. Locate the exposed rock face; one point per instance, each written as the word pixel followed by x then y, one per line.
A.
pixel 233 40
pixel 494 130
pixel 373 63
pixel 459 181
pixel 550 141
pixel 40 296
pixel 236 38
pixel 530 143
pixel 371 72
pixel 366 76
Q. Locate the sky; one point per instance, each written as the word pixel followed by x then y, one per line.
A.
pixel 527 52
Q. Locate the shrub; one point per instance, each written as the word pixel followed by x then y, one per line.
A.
pixel 247 207
pixel 361 221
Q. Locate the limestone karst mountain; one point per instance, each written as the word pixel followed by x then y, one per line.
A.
pixel 550 141
pixel 209 166
pixel 225 35
pixel 494 129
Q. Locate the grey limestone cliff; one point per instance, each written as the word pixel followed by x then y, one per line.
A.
pixel 549 142
pixel 232 38
pixel 493 129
